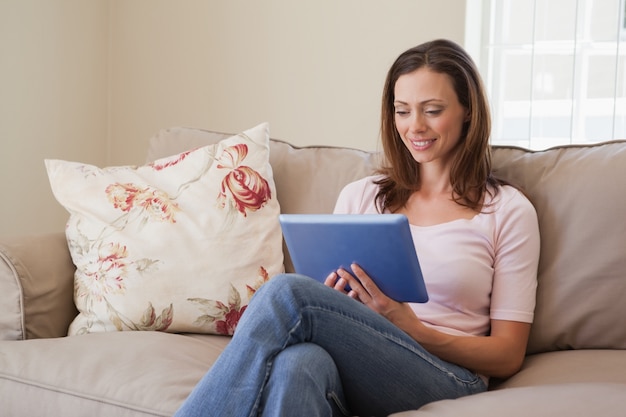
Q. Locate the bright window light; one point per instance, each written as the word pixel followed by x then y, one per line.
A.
pixel 555 70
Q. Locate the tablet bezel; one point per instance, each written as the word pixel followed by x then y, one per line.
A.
pixel 381 244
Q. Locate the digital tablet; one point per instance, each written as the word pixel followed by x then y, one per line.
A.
pixel 381 244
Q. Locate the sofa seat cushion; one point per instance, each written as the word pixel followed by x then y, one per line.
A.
pixel 572 400
pixel 569 366
pixel 107 374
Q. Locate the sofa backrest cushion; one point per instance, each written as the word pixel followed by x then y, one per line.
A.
pixel 36 287
pixel 579 193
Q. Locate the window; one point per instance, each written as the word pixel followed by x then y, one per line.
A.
pixel 555 70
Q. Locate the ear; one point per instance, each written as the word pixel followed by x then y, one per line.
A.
pixel 467 116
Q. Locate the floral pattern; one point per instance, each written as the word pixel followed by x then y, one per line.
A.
pixel 223 318
pixel 244 187
pixel 152 203
pixel 106 275
pixel 162 164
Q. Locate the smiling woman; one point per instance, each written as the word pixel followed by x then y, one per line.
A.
pixel 438 97
pixel 428 116
pixel 430 120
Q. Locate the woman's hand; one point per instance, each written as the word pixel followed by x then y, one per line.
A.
pixel 361 287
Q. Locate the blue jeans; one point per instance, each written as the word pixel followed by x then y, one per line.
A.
pixel 302 348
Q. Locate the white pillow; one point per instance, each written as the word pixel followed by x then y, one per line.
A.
pixel 178 245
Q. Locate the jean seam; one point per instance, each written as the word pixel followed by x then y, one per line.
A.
pixel 270 362
pixel 332 396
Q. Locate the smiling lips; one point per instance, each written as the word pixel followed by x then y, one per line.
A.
pixel 422 143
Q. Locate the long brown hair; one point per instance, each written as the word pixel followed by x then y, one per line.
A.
pixel 471 174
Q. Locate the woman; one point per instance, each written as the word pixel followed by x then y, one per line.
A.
pixel 303 348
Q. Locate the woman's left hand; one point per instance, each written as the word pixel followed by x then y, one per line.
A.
pixel 361 287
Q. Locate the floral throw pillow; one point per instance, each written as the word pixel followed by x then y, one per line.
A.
pixel 178 245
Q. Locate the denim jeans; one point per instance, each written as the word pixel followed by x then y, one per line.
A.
pixel 302 348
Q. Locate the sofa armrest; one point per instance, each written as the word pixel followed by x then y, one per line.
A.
pixel 36 287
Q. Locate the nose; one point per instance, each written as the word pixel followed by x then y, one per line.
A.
pixel 418 122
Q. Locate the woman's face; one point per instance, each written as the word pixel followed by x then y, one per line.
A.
pixel 428 115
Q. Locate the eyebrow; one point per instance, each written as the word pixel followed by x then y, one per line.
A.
pixel 421 102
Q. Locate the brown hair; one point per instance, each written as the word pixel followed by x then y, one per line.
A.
pixel 471 174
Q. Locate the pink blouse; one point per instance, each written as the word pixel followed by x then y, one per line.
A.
pixel 476 270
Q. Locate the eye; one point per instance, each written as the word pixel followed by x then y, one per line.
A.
pixel 433 112
pixel 400 112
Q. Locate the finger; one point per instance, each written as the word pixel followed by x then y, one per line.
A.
pixel 354 295
pixel 366 282
pixel 331 279
pixel 340 285
pixel 376 299
pixel 348 278
pixel 357 291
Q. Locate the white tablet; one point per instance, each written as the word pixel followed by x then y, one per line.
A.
pixel 381 244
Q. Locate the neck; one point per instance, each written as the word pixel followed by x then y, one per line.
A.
pixel 435 179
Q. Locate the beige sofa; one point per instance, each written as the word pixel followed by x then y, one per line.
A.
pixel 576 364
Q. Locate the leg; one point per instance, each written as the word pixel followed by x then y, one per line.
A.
pixel 381 368
pixel 303 377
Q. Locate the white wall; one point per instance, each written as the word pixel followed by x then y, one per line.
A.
pixel 53 102
pixel 93 80
pixel 313 69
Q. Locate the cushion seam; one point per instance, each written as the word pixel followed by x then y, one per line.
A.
pixel 10 262
pixel 82 396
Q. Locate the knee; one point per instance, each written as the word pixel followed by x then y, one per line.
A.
pixel 286 282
